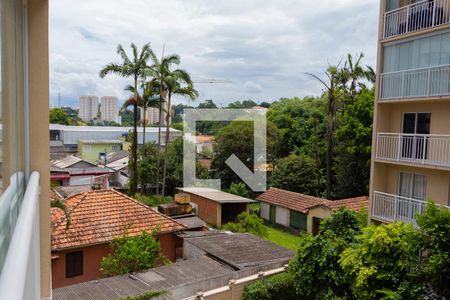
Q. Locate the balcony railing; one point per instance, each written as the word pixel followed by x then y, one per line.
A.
pixel 424 82
pixel 424 149
pixel 415 17
pixel 390 208
pixel 20 263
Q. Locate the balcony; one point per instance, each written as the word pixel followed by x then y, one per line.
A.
pixel 420 149
pixel 391 208
pixel 424 82
pixel 19 240
pixel 415 17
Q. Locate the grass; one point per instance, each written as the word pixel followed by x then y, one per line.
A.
pixel 282 238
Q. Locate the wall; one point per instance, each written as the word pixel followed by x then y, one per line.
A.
pixel 318 212
pixel 282 216
pixel 95 149
pixel 265 211
pixel 207 210
pixel 92 256
pixel 38 72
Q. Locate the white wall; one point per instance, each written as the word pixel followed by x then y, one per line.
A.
pixel 265 211
pixel 282 216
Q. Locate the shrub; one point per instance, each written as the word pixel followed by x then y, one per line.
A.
pixel 247 222
pixel 131 254
pixel 280 286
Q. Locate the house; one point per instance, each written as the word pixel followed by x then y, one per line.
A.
pixel 71 161
pixel 411 130
pixel 300 212
pixel 118 163
pixel 216 207
pixel 94 150
pixel 204 143
pixel 97 218
pixel 211 261
pixel 93 176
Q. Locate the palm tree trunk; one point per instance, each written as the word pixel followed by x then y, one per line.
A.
pixel 159 144
pixel 166 148
pixel 133 183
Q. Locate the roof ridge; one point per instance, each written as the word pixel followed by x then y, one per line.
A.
pixel 297 193
pixel 148 207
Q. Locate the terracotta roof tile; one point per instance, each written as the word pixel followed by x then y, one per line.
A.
pixel 303 203
pixel 288 199
pixel 100 216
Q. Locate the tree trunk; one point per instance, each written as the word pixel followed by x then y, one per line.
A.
pixel 166 148
pixel 133 183
pixel 330 141
pixel 144 109
pixel 159 143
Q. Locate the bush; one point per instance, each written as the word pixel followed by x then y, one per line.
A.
pixel 152 200
pixel 131 254
pixel 247 222
pixel 280 286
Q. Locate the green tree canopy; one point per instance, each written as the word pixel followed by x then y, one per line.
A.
pixel 296 173
pixel 248 222
pixel 58 116
pixel 207 104
pixel 131 254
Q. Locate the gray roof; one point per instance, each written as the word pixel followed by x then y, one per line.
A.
pixel 70 190
pixel 164 277
pixel 239 250
pixel 106 128
pixel 102 141
pixel 191 222
pixel 113 156
pixel 216 195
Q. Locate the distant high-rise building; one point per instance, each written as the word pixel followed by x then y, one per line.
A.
pixel 152 116
pixel 109 110
pixel 88 108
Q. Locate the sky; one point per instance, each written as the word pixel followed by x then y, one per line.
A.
pixel 261 48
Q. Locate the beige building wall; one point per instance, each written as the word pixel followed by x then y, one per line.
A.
pixel 282 216
pixel 88 108
pixel 39 114
pixel 265 210
pixel 109 110
pixel 388 118
pixel 320 212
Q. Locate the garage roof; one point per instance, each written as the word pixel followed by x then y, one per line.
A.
pixel 216 195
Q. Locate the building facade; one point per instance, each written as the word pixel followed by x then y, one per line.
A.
pixel 88 108
pixel 411 136
pixel 109 110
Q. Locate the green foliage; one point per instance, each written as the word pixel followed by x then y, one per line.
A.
pixel 178 126
pixel 296 173
pixel 240 189
pixel 316 269
pixel 58 116
pixel 131 254
pixel 434 230
pixel 237 138
pixel 379 263
pixel 353 145
pixel 243 104
pixel 250 223
pixel 152 200
pixel 278 286
pixel 127 117
pixel 207 104
pixel 146 295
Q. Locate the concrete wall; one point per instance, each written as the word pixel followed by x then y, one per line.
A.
pixel 92 257
pixel 265 211
pixel 91 151
pixel 318 212
pixel 282 216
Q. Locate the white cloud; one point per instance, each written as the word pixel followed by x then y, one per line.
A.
pixel 264 47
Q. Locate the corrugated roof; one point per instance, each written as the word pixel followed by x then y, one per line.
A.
pixel 102 141
pixel 106 128
pixel 303 203
pixel 100 216
pixel 66 161
pixel 216 195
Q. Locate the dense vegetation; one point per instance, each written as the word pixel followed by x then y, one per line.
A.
pixel 247 223
pixel 349 261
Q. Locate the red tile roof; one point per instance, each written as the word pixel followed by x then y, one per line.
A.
pixel 303 203
pixel 98 217
pixel 288 199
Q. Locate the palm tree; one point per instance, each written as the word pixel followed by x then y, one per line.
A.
pixel 176 82
pixel 134 69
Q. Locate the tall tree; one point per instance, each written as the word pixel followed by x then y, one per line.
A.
pixel 171 82
pixel 333 93
pixel 131 68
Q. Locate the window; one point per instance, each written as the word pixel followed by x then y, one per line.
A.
pixel 115 148
pixel 414 144
pixel 273 212
pixel 86 148
pixel 412 186
pixel 74 264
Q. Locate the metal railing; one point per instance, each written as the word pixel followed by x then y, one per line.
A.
pixel 390 208
pixel 424 149
pixel 20 267
pixel 424 82
pixel 416 16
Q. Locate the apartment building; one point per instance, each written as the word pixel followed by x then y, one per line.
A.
pixel 109 110
pixel 25 177
pixel 88 108
pixel 152 116
pixel 411 138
